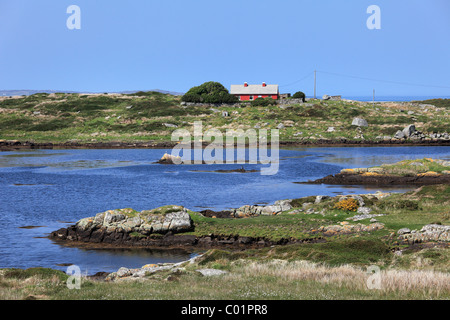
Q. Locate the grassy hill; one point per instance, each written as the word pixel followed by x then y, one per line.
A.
pixel 152 116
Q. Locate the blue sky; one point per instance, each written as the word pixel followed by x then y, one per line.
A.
pixel 176 44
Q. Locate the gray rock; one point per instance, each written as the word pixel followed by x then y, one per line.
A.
pixel 399 135
pixel 285 205
pixel 326 97
pixel 225 114
pixel 403 231
pixel 360 200
pixel 431 232
pixel 270 210
pixel 170 125
pixel 280 126
pixel 123 272
pixel 111 217
pixel 364 210
pixel 178 221
pixel 409 130
pixel 320 198
pixel 364 216
pixel 211 272
pixel 306 205
pixel 331 129
pixel 360 122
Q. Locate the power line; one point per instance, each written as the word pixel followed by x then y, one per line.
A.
pixel 302 79
pixel 385 81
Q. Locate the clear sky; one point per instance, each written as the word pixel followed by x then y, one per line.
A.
pixel 176 44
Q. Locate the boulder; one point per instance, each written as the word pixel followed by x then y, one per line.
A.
pixel 320 198
pixel 123 272
pixel 253 211
pixel 431 232
pixel 359 122
pixel 170 159
pixel 364 210
pixel 409 130
pixel 284 205
pixel 107 225
pixel 211 272
pixel 399 135
pixel 170 125
pixel 326 97
pixel 403 231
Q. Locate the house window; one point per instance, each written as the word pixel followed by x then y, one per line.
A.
pixel 251 97
pixel 260 96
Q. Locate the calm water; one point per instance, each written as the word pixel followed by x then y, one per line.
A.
pixel 51 188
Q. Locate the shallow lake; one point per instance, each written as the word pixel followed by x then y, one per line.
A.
pixel 53 188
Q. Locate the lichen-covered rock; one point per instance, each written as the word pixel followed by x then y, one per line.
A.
pixel 359 122
pixel 403 231
pixel 430 232
pixel 252 211
pixel 122 224
pixel 346 228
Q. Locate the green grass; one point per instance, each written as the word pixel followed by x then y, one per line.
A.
pixel 273 228
pixel 409 210
pixel 441 103
pixel 279 273
pixel 413 167
pixel 141 117
pixel 358 251
pixel 333 268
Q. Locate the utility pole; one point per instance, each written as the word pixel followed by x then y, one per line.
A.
pixel 315 73
pixel 373 101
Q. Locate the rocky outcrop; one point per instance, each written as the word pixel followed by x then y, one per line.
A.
pixel 430 232
pixel 415 173
pixel 128 225
pixel 359 122
pixel 252 211
pixel 160 227
pixel 346 228
pixel 411 133
pixel 382 180
pixel 126 274
pixel 169 159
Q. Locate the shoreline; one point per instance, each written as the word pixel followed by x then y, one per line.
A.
pixel 15 145
pixel 380 181
pixel 187 243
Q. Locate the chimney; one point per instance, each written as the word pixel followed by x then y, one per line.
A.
pixel 245 84
pixel 264 84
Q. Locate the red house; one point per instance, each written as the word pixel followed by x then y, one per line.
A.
pixel 246 92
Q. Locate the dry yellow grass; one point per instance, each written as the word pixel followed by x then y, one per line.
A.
pixel 399 281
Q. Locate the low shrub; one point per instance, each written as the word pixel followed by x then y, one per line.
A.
pixel 263 102
pixel 399 204
pixel 348 204
pixel 299 95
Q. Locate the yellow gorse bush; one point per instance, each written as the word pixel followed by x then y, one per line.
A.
pixel 348 204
